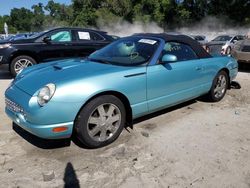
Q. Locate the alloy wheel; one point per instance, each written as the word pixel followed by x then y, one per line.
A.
pixel 21 64
pixel 220 86
pixel 104 122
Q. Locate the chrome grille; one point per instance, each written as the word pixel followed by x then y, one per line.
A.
pixel 12 106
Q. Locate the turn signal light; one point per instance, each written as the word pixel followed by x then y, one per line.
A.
pixel 59 129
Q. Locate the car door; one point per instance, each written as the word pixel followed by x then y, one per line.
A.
pixel 58 45
pixel 174 82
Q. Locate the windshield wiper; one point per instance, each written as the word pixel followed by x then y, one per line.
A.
pixel 99 60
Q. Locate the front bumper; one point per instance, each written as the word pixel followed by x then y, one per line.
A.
pixel 42 131
pixel 20 110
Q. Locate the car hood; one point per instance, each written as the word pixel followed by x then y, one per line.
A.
pixel 216 43
pixel 4 41
pixel 18 41
pixel 60 72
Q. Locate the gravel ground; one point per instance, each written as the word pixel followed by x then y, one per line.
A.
pixel 197 144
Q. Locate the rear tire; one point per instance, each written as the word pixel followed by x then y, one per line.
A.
pixel 101 121
pixel 21 62
pixel 219 87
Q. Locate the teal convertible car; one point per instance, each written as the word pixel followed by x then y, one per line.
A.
pixel 98 96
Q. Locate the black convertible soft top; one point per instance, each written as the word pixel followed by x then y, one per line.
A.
pixel 199 50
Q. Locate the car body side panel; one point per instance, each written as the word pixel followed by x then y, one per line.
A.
pixel 172 82
pixel 216 64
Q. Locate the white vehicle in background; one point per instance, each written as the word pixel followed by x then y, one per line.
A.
pixel 227 48
pixel 223 44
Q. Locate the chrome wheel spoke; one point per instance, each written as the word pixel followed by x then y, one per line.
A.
pixel 18 66
pixel 21 64
pixel 95 120
pixel 110 111
pixel 114 119
pixel 101 112
pixel 112 128
pixel 26 63
pixel 104 122
pixel 103 135
pixel 94 131
pixel 224 83
pixel 17 69
pixel 216 89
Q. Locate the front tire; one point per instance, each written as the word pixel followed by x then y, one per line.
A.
pixel 21 62
pixel 219 87
pixel 228 50
pixel 101 121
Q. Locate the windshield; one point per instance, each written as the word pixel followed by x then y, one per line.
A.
pixel 199 38
pixel 36 35
pixel 222 38
pixel 127 51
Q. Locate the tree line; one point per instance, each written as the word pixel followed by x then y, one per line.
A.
pixel 93 13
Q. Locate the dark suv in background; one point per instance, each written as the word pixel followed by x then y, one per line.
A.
pixel 51 45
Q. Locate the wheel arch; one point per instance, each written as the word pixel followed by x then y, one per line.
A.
pixel 23 53
pixel 120 96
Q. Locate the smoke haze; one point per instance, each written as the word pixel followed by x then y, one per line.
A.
pixel 209 27
pixel 124 28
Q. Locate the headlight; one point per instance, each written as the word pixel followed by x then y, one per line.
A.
pixel 4 45
pixel 45 94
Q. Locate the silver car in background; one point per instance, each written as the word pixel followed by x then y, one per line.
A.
pixel 223 44
pixel 241 51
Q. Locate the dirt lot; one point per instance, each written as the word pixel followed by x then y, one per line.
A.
pixel 197 144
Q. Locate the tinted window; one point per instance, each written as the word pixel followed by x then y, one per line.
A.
pixel 240 37
pixel 199 38
pixel 61 36
pixel 95 36
pixel 183 52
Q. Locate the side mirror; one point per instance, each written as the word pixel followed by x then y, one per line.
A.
pixel 168 58
pixel 46 39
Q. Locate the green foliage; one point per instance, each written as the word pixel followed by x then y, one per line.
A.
pixel 38 19
pixel 106 17
pixel 93 13
pixel 54 9
pixel 21 19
